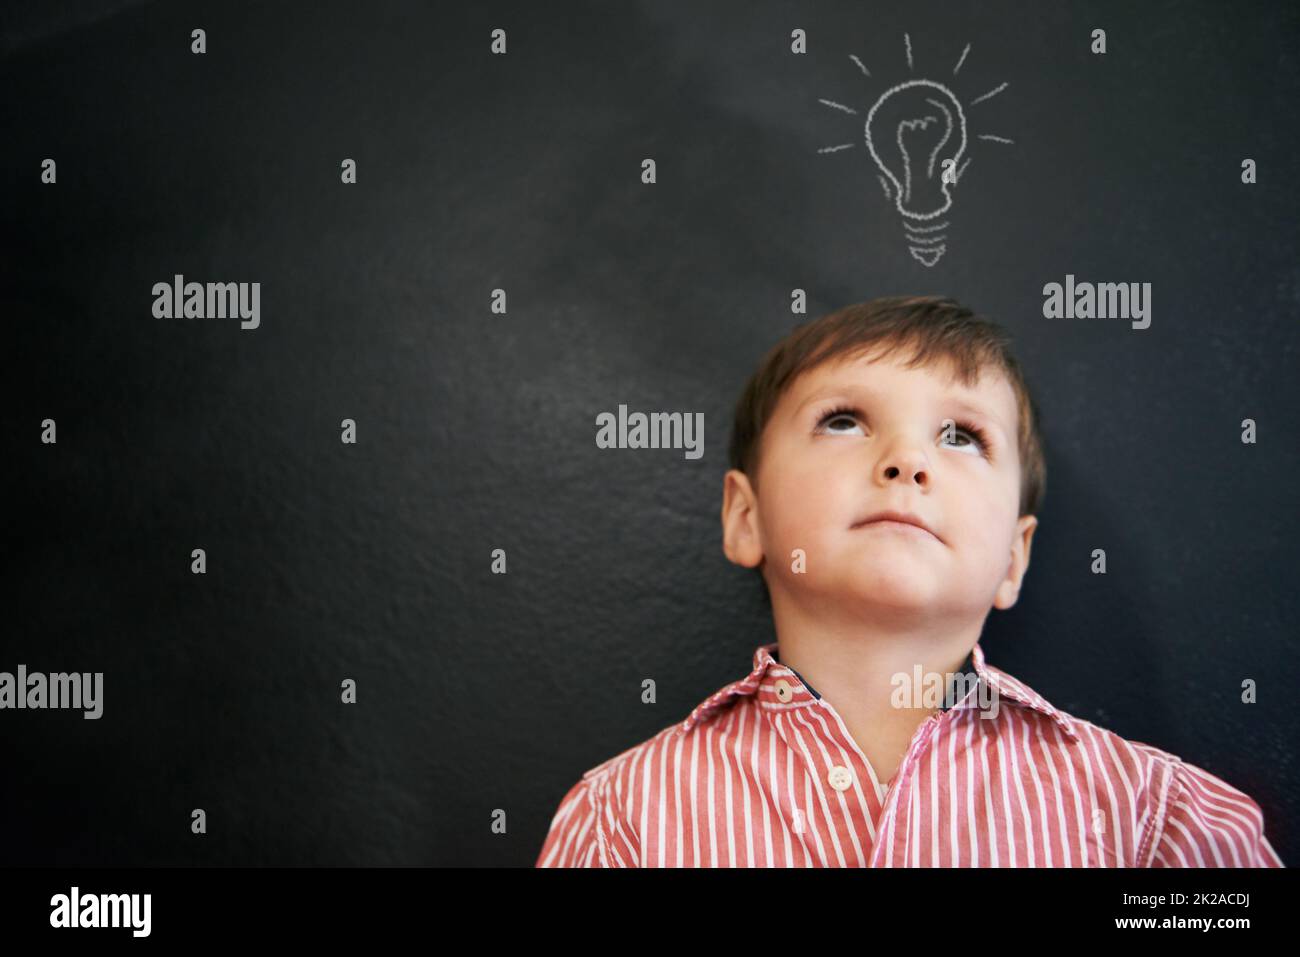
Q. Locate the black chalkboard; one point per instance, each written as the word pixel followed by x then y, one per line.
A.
pixel 480 694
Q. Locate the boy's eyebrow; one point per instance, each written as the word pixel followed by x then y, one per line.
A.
pixel 974 409
pixel 847 388
pixel 866 392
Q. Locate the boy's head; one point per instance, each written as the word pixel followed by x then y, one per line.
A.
pixel 879 407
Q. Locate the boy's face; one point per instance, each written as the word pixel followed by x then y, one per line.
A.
pixel 819 477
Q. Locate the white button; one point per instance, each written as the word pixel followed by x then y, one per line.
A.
pixel 840 778
pixel 783 691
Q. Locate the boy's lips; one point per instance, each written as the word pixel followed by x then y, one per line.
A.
pixel 906 522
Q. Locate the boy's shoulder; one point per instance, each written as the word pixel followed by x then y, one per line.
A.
pixel 764 671
pixel 1190 816
pixel 1091 740
pixel 628 756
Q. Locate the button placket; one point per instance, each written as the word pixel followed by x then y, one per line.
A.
pixel 902 782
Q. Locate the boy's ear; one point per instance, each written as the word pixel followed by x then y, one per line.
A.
pixel 1009 590
pixel 740 531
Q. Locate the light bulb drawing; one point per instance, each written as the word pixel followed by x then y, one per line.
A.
pixel 916 135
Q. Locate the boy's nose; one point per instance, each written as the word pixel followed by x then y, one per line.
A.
pixel 910 465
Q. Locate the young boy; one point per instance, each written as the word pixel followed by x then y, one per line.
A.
pixel 886 465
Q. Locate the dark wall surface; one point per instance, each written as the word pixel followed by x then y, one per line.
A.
pixel 372 561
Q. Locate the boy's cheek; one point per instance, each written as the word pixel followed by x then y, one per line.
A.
pixel 798 534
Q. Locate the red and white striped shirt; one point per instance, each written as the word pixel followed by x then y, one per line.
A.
pixel 763 773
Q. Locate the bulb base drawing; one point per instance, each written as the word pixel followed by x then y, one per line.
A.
pixel 927 244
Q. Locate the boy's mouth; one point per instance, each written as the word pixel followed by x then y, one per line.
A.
pixel 904 522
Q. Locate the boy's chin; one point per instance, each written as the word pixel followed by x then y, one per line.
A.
pixel 897 592
pixel 897 589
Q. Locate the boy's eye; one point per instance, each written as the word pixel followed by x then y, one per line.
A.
pixel 972 433
pixel 841 421
pixel 845 418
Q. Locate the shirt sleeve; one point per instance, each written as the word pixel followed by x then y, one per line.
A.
pixel 585 832
pixel 1209 823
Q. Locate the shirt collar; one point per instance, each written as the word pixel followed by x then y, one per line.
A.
pixel 778 687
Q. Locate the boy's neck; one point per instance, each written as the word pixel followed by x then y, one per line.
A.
pixel 852 666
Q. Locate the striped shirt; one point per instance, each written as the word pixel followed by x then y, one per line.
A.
pixel 763 773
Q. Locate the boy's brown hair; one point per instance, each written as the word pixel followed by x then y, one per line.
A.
pixel 937 329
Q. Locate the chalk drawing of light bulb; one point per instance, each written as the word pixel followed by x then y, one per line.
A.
pixel 916 134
